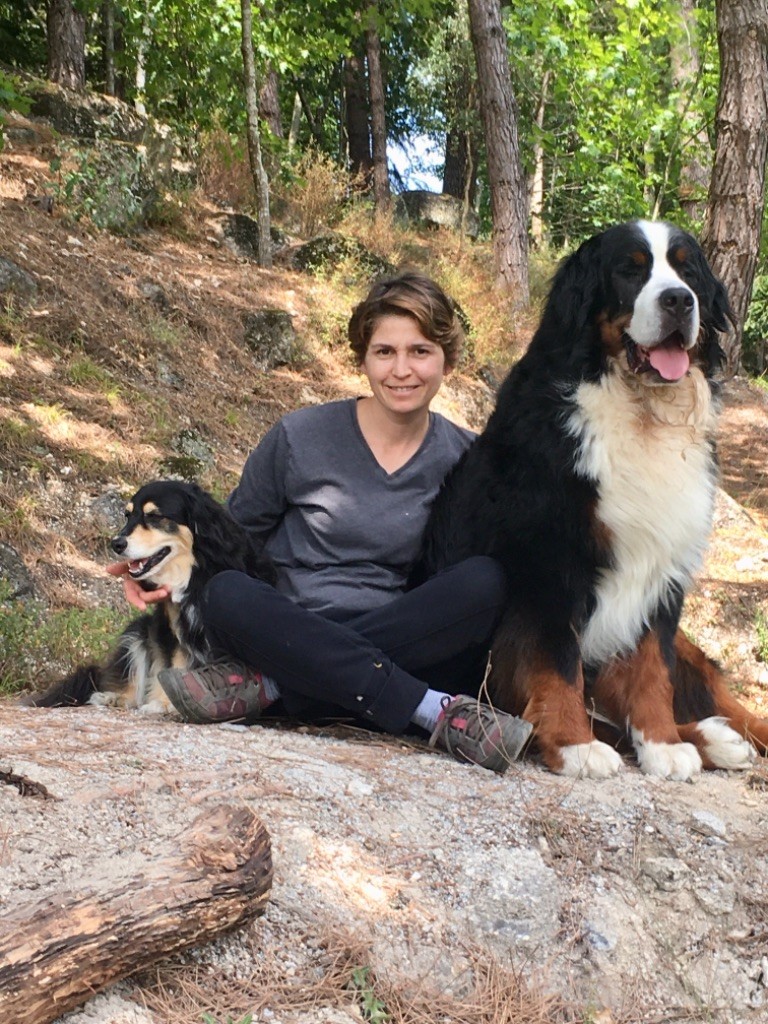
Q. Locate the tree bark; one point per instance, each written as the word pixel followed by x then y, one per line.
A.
pixel 65 28
pixel 737 189
pixel 108 29
pixel 140 79
pixel 537 180
pixel 56 954
pixel 381 193
pixel 269 102
pixel 498 108
pixel 356 118
pixel 293 132
pixel 260 181
pixel 697 158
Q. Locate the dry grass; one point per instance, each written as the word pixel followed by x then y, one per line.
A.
pixel 340 974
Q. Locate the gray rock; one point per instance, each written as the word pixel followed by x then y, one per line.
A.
pixel 14 279
pixel 241 235
pixel 668 873
pixel 154 293
pixel 326 252
pixel 708 824
pixel 168 376
pixel 108 513
pixel 193 456
pixel 435 210
pixel 270 335
pixel 14 574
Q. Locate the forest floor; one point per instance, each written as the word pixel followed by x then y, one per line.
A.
pixel 407 887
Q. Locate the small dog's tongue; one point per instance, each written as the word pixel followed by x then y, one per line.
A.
pixel 670 361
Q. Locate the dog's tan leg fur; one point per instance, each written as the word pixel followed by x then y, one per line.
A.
pixel 748 726
pixel 636 691
pixel 556 710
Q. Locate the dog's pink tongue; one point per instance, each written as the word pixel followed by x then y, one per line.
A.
pixel 670 361
pixel 138 564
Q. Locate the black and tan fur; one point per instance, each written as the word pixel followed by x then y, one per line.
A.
pixel 175 536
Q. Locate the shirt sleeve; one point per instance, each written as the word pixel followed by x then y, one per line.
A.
pixel 259 501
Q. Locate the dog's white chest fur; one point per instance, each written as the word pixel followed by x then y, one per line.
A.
pixel 648 451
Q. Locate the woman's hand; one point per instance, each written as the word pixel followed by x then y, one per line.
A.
pixel 135 594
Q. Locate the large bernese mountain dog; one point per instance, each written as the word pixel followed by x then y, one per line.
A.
pixel 594 484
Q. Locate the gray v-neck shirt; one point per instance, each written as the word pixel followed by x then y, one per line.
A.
pixel 342 531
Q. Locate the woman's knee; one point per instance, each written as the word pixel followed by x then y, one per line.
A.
pixel 226 593
pixel 482 581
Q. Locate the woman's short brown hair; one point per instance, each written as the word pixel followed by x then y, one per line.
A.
pixel 408 294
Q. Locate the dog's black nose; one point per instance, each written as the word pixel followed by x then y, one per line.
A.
pixel 678 301
pixel 119 544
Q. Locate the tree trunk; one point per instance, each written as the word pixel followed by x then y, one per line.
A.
pixel 108 28
pixel 140 79
pixel 537 180
pixel 65 29
pixel 356 118
pixel 737 190
pixel 381 193
pixel 59 952
pixel 260 182
pixel 499 112
pixel 269 103
pixel 697 158
pixel 293 132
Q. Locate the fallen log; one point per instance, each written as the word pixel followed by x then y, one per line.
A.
pixel 60 951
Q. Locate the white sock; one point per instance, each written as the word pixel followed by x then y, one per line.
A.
pixel 271 690
pixel 429 710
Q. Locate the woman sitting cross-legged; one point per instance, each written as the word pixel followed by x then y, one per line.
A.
pixel 339 495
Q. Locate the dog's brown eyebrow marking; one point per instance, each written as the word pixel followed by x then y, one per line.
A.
pixel 149 508
pixel 640 258
pixel 129 508
pixel 681 254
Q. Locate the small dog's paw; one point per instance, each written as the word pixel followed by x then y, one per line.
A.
pixel 593 760
pixel 724 746
pixel 104 700
pixel 155 707
pixel 676 761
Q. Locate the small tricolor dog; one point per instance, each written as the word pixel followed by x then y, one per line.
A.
pixel 594 485
pixel 175 536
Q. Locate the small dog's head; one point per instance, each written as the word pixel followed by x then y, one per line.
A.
pixel 157 540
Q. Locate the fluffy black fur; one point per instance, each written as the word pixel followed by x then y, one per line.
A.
pixel 172 634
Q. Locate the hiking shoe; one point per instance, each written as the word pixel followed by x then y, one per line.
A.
pixel 218 692
pixel 478 733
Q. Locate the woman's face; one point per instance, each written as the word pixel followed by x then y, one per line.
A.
pixel 405 369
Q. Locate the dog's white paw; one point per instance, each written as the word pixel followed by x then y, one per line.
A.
pixel 104 700
pixel 593 760
pixel 725 748
pixel 676 761
pixel 155 707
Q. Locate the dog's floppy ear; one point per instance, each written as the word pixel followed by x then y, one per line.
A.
pixel 717 316
pixel 567 322
pixel 220 542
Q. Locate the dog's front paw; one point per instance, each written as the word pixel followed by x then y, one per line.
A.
pixel 676 761
pixel 104 700
pixel 155 707
pixel 593 760
pixel 723 745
